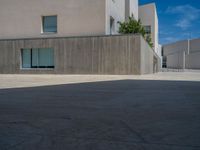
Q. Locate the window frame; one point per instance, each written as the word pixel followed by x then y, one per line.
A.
pixel 112 25
pixel 43 22
pixel 31 60
pixel 148 27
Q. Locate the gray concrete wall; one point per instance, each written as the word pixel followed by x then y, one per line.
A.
pixel 127 54
pixel 195 45
pixel 181 46
pixel 176 60
pixel 150 61
pixel 192 61
pixel 183 54
pixel 86 55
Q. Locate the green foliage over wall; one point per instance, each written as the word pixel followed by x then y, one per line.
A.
pixel 135 27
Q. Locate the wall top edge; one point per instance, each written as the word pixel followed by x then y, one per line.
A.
pixel 68 37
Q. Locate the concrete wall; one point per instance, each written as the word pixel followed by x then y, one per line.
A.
pixel 148 17
pixel 176 60
pixel 89 55
pixel 183 54
pixel 150 61
pixel 22 18
pixel 192 61
pixel 181 46
pixel 83 55
pixel 194 45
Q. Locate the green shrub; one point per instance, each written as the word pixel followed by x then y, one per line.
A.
pixel 135 27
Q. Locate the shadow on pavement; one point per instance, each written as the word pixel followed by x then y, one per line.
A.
pixel 111 115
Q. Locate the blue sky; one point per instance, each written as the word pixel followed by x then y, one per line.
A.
pixel 178 19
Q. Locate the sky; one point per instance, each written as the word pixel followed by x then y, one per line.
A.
pixel 178 19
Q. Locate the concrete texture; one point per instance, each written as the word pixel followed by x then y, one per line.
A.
pixel 148 59
pixel 192 61
pixel 20 81
pixel 119 54
pixel 123 114
pixel 176 60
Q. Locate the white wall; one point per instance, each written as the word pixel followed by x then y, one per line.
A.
pixel 22 18
pixel 116 9
pixel 134 8
pixel 148 17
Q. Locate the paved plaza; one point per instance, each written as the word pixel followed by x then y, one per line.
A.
pixel 60 112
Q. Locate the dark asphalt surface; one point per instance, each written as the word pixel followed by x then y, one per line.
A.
pixel 114 115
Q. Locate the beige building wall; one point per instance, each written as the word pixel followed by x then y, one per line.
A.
pixel 148 17
pixel 22 18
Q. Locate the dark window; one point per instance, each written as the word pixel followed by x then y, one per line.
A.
pixel 37 58
pixel 147 29
pixel 49 24
pixel 164 65
pixel 112 25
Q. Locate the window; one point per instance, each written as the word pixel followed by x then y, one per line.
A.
pixel 49 24
pixel 112 25
pixel 37 58
pixel 147 29
pixel 164 64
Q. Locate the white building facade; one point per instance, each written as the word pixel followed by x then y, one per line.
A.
pixel 33 37
pixel 149 18
pixel 30 18
pixel 50 18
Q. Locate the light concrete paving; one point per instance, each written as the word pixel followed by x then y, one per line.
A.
pixel 17 81
pixel 151 112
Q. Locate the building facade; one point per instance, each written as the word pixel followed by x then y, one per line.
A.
pixel 26 19
pixel 149 18
pixel 37 34
pixel 116 55
pixel 182 54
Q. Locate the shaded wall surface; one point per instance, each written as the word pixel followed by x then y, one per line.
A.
pixel 183 54
pixel 149 59
pixel 127 54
